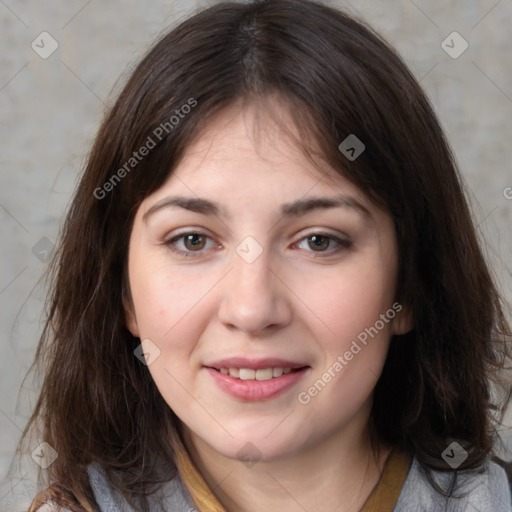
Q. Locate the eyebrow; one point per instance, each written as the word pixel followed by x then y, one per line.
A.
pixel 287 210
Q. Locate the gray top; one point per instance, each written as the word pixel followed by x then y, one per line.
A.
pixel 485 492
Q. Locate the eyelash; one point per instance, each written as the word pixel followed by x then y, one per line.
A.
pixel 342 244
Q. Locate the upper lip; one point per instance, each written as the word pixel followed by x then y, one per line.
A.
pixel 255 364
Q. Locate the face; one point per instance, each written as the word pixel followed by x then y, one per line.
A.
pixel 267 292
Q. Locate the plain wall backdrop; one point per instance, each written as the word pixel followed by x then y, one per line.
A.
pixel 52 99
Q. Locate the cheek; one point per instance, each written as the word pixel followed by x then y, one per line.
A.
pixel 166 305
pixel 356 345
pixel 349 301
pixel 163 297
pixel 170 305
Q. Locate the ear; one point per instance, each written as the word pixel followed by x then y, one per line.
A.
pixel 129 316
pixel 403 321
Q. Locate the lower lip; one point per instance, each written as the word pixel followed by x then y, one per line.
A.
pixel 256 390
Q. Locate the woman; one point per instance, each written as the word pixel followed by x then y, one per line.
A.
pixel 269 292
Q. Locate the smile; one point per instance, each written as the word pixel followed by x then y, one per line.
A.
pixel 253 385
pixel 250 374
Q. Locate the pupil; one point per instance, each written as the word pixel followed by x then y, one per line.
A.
pixel 315 239
pixel 194 240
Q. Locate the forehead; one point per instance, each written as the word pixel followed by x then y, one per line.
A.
pixel 253 154
pixel 248 128
pixel 256 138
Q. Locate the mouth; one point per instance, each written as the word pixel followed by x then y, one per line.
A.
pixel 256 380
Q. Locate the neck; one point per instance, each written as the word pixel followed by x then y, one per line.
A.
pixel 339 473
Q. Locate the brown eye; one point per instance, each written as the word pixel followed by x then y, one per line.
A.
pixel 324 244
pixel 194 241
pixel 318 242
pixel 190 244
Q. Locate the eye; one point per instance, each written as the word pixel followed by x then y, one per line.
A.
pixel 321 242
pixel 192 242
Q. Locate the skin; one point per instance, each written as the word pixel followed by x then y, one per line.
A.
pixel 291 302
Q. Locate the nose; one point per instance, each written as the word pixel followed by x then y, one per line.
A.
pixel 254 297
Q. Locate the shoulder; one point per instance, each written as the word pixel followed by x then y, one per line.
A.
pixel 174 494
pixel 485 490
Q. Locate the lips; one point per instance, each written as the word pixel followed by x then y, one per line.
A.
pixel 255 379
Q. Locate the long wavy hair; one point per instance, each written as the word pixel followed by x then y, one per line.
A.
pixel 337 77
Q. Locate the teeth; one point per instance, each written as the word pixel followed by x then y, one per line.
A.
pixel 250 374
pixel 277 372
pixel 264 374
pixel 247 374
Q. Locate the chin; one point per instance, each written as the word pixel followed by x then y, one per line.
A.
pixel 256 447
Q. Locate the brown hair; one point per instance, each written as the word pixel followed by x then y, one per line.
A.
pixel 98 403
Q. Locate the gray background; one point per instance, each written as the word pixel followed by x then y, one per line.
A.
pixel 52 107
